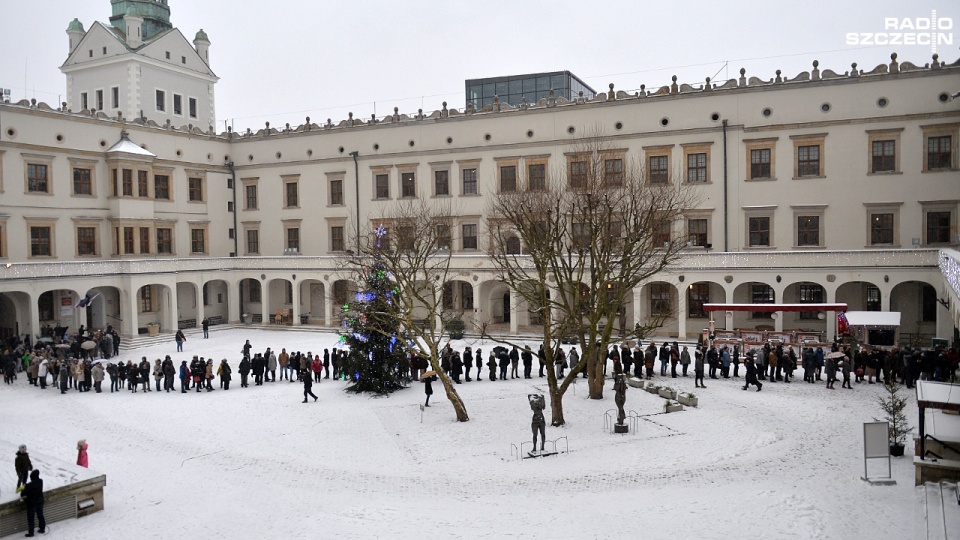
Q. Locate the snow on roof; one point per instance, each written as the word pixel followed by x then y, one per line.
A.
pixel 126 146
pixel 873 318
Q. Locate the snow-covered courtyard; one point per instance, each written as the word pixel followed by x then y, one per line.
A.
pixel 258 463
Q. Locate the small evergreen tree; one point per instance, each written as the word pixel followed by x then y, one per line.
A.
pixel 893 404
pixel 371 330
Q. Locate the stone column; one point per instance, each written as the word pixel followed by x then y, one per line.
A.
pixel 265 301
pixel 233 303
pixel 327 305
pixel 295 303
pixel 201 307
pixel 514 313
pixel 682 312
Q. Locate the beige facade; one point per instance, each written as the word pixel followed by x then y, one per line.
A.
pixel 825 187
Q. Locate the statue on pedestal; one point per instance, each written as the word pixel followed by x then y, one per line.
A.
pixel 620 397
pixel 538 423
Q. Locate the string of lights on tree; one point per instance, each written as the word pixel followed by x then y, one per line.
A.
pixel 371 331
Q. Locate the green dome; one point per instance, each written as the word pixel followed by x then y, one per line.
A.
pixel 201 36
pixel 75 24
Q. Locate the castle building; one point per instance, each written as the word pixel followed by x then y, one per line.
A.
pixel 824 187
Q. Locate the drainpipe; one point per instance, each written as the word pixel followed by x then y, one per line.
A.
pixel 236 232
pixel 356 177
pixel 726 213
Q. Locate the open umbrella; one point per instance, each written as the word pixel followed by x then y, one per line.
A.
pixel 87 345
pixel 428 374
pixel 836 354
pixel 45 340
pixel 62 345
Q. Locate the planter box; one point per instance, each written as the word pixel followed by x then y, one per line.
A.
pixel 673 408
pixel 636 383
pixel 153 329
pixel 668 393
pixel 688 401
pixel 653 389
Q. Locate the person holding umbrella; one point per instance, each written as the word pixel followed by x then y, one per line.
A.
pixel 428 377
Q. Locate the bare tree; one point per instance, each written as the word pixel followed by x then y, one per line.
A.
pixel 415 251
pixel 588 236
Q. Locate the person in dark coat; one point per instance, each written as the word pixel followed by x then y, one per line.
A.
pixel 206 328
pixel 23 465
pixel 225 374
pixel 244 369
pixel 307 385
pixel 428 388
pixel 492 364
pixel 184 377
pixel 33 496
pixel 326 364
pixel 456 366
pixel 752 373
pixel 698 370
pixel 258 365
pixel 169 372
pixel 504 359
pixel 479 359
pixel 180 338
pixel 527 357
pixel 514 363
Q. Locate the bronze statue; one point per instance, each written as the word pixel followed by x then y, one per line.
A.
pixel 537 404
pixel 620 387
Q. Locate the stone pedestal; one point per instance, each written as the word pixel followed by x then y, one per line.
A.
pixel 621 428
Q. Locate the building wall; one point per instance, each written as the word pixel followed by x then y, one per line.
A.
pixel 842 114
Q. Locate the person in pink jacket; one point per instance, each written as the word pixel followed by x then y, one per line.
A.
pixel 82 459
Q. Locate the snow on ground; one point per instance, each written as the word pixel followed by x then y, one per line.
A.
pixel 257 463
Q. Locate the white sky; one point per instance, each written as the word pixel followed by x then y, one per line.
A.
pixel 283 61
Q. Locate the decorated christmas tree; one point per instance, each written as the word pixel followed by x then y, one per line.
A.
pixel 371 330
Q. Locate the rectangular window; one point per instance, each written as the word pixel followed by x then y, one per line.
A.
pixel 697 232
pixel 470 182
pixel 446 296
pixel 441 183
pixel 537 177
pixel 177 104
pixel 928 304
pixel 115 97
pixel 336 238
pixel 82 183
pixel 144 239
pixel 808 160
pixel 508 178
pixel 382 185
pixel 250 191
pixel 466 295
pixel 761 294
pixel 165 241
pixel 161 187
pixel 938 227
pixel 146 299
pixel 161 101
pixel 660 299
pixel 469 236
pixel 578 174
pixel 658 170
pixel 292 194
pixel 881 229
pixel 939 152
pixel 192 104
pixel 698 294
pixel 408 185
pixel 127 183
pixel 443 236
pixel 40 242
pixel 128 244
pixel 697 168
pixel 884 156
pixel 760 163
pixel 613 172
pixel 83 98
pixel 86 241
pixel 143 184
pixel 336 192
pixel 253 241
pixel 197 241
pixel 580 235
pixel 808 231
pixel 99 95
pixel 760 231
pixel 809 293
pixel 873 298
pixel 195 189
pixel 293 239
pixel 37 181
pixel 663 235
pixel 406 237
